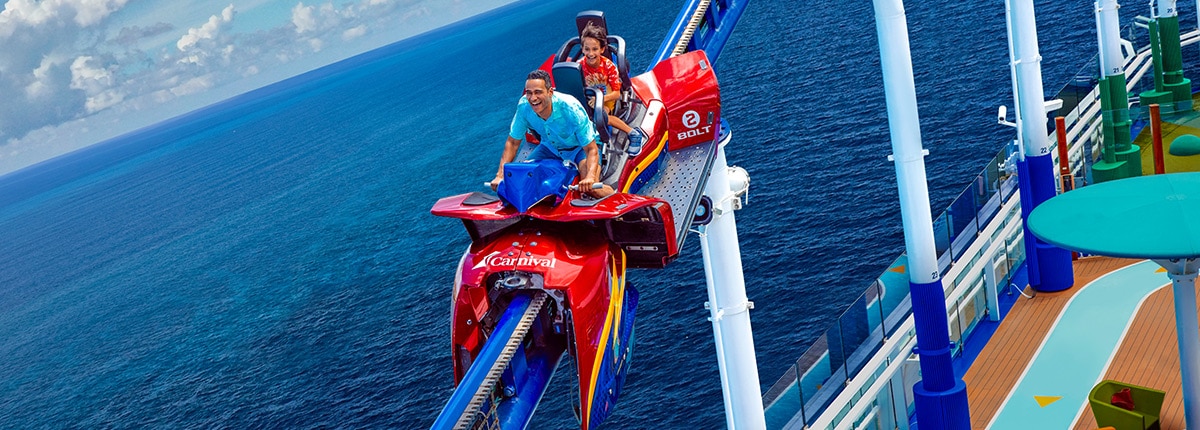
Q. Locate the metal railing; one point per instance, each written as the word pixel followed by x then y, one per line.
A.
pixel 859 374
pixel 876 331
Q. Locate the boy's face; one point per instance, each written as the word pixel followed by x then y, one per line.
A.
pixel 592 50
pixel 538 93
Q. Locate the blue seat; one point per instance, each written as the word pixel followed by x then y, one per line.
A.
pixel 568 79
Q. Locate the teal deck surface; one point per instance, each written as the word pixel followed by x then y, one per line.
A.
pixel 1076 352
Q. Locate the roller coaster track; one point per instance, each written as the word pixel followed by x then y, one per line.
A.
pixel 690 30
pixel 470 414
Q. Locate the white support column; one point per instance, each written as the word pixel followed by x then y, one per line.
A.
pixel 1187 326
pixel 1027 70
pixel 941 397
pixel 728 306
pixel 904 126
pixel 1108 30
pixel 1163 8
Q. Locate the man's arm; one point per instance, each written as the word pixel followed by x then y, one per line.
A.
pixel 510 152
pixel 593 158
pixel 589 172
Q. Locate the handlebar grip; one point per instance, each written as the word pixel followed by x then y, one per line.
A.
pixel 595 186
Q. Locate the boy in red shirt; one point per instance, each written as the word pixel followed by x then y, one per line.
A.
pixel 598 70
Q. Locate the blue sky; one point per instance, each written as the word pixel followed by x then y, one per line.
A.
pixel 76 72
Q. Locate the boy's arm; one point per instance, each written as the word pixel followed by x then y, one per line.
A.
pixel 611 96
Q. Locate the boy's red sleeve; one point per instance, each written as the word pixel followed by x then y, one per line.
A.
pixel 614 76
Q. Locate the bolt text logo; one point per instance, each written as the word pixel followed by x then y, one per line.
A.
pixel 691 120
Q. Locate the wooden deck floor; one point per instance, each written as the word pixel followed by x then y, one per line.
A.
pixel 1150 359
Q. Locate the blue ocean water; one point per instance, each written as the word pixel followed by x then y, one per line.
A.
pixel 270 261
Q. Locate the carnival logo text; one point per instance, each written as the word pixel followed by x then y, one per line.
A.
pixel 500 260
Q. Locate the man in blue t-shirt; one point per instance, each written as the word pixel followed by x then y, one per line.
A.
pixel 565 130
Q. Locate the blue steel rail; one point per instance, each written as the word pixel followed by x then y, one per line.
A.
pixel 708 33
pixel 483 371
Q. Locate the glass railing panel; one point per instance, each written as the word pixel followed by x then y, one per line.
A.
pixel 895 288
pixel 1003 271
pixel 993 172
pixel 782 401
pixel 941 241
pixel 813 372
pixel 955 328
pixel 1007 174
pixel 820 374
pixel 989 204
pixel 868 345
pixel 961 219
pixel 1078 86
pixel 979 190
pixel 859 339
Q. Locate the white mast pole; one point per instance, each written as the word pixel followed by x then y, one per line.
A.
pixel 1112 61
pixel 729 309
pixel 940 397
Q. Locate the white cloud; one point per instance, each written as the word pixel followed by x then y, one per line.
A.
pixel 70 76
pixel 416 13
pixel 97 82
pixel 87 76
pixel 103 100
pixel 354 33
pixel 193 86
pixel 303 18
pixel 90 12
pixel 131 35
pixel 32 13
pixel 322 19
pixel 43 80
pixel 207 31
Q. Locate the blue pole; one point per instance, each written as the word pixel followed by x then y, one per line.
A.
pixel 940 397
pixel 1049 266
pixel 1052 264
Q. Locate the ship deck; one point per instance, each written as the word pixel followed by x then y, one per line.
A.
pixel 1117 322
pixel 1173 127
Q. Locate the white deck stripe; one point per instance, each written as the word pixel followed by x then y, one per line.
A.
pixel 1078 349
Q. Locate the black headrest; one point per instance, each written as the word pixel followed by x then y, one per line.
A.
pixel 595 16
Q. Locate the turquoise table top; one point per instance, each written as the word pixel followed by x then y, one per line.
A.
pixel 1144 217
